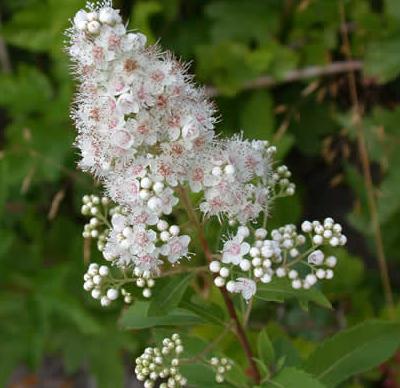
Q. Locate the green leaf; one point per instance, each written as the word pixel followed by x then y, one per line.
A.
pixel 142 13
pixel 388 69
pixel 257 118
pixel 279 290
pixel 294 378
pixel 27 91
pixel 236 20
pixel 211 313
pixel 263 369
pixel 224 65
pixel 169 296
pixel 284 145
pixel 200 375
pixel 349 273
pixel 353 351
pixel 389 191
pixel 265 349
pixel 317 121
pixel 393 9
pixel 39 25
pixel 137 317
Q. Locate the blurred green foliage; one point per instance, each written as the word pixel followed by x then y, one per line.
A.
pixel 43 310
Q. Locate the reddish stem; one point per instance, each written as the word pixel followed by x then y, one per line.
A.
pixel 240 333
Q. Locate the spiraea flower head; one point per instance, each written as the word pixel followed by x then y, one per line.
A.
pixel 145 130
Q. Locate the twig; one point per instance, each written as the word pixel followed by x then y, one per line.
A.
pixel 365 163
pixel 240 333
pixel 55 204
pixel 4 57
pixel 297 75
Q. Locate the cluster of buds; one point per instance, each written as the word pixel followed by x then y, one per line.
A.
pixel 143 280
pixel 322 268
pixel 127 296
pixel 161 363
pixel 281 183
pixel 91 205
pixel 102 286
pixel 90 22
pixel 97 281
pixel 258 258
pixel 221 366
pixel 153 194
pixel 326 232
pixel 98 209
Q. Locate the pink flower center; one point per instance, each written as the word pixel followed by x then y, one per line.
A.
pixel 176 247
pixel 143 129
pixel 198 174
pixel 141 238
pixel 234 249
pixel 164 170
pixel 141 218
pixel 157 76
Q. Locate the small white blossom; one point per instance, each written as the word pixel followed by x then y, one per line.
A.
pixel 246 287
pixel 234 250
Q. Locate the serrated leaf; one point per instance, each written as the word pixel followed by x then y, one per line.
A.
pixel 137 317
pixel 265 349
pixel 294 378
pixel 279 290
pixel 353 351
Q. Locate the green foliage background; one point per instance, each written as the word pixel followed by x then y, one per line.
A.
pixel 231 43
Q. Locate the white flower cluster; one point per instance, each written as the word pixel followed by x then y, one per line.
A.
pixel 139 245
pixel 248 258
pixel 99 280
pixel 156 363
pixel 144 129
pixel 221 366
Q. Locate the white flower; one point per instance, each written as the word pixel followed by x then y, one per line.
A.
pixel 168 201
pixel 141 240
pixel 122 139
pixel 148 262
pixel 142 215
pixel 234 250
pixel 127 104
pixel 176 248
pixel 247 287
